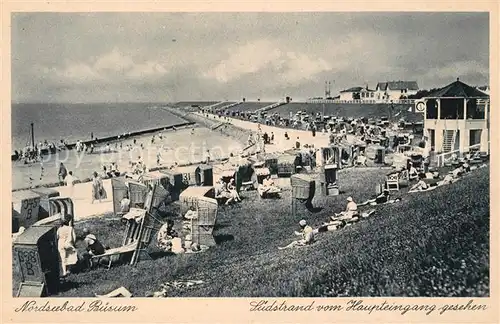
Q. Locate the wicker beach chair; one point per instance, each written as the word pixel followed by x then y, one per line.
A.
pixel 138 234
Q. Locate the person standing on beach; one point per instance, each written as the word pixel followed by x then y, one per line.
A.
pixel 62 172
pixel 66 245
pixel 70 183
pixel 98 192
pixel 158 157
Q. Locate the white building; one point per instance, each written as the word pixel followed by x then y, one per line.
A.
pixel 357 93
pixel 456 119
pixel 395 90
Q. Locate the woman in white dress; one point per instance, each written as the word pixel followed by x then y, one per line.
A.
pixel 66 245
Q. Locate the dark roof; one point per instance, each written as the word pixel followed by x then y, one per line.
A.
pixel 353 89
pixel 458 89
pixel 32 234
pixel 398 85
pixel 382 85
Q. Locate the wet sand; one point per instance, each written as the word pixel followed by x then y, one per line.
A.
pixel 181 146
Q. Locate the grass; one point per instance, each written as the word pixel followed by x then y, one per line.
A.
pixel 430 244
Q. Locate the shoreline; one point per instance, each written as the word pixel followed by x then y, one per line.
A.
pixel 110 139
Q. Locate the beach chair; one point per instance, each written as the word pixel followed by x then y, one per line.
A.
pixel 189 197
pixel 137 194
pixel 119 189
pixel 138 234
pixel 63 206
pixel 202 226
pixel 392 181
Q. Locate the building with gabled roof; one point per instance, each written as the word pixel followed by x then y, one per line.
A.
pixel 395 90
pixel 357 93
pixel 456 119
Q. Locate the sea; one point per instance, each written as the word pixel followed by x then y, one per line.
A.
pixel 72 122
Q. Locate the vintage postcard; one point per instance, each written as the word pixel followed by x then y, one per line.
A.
pixel 218 162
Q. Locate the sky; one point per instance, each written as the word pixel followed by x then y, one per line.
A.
pixel 169 57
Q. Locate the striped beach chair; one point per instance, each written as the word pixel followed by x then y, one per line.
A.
pixel 62 206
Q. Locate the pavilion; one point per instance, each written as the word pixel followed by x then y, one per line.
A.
pixel 456 119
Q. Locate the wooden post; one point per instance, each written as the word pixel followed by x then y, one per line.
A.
pixel 32 135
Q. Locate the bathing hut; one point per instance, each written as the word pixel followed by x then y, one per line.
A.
pixel 153 178
pixel 202 227
pixel 37 258
pixel 176 183
pixel 45 195
pixel 303 190
pixel 328 180
pixel 189 197
pixel 25 208
pixel 204 175
pixel 286 165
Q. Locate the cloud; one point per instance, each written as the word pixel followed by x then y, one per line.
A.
pixel 456 69
pixel 270 61
pixel 114 61
pixel 75 72
pixel 103 56
pixel 110 67
pixel 249 58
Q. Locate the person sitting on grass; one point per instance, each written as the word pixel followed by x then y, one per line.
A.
pixel 466 165
pixel 448 179
pixel 125 204
pixel 350 213
pixel 119 292
pixel 222 193
pixel 360 160
pixel 383 198
pixel 420 185
pixel 307 234
pixel 165 236
pixel 457 172
pixel 231 187
pixel 268 186
pixel 191 213
pixel 92 244
pixel 412 173
pixel 93 247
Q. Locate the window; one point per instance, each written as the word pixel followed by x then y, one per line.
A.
pixel 475 110
pixel 431 109
pixel 475 137
pixel 452 108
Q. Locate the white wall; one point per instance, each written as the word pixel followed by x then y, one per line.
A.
pixel 464 126
pixel 346 96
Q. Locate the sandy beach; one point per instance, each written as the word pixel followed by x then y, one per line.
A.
pixel 84 208
pixel 181 146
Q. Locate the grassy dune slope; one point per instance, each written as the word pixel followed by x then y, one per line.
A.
pixel 349 110
pixel 430 244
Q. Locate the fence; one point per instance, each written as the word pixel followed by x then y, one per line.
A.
pixel 361 101
pixel 442 158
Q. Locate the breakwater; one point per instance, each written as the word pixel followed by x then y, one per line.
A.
pixel 110 139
